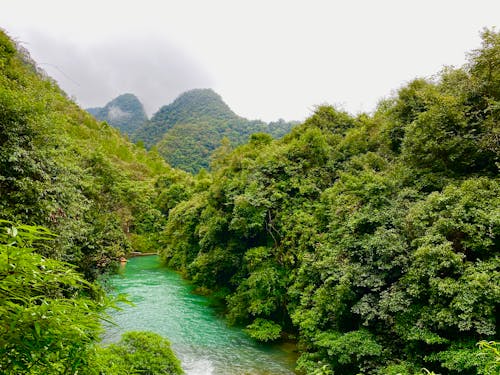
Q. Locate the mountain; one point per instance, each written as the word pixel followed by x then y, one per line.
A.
pixel 188 130
pixel 126 113
pixel 194 106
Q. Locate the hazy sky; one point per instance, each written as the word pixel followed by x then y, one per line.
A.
pixel 268 59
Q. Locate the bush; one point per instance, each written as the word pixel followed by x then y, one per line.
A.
pixel 137 352
pixel 47 316
pixel 264 330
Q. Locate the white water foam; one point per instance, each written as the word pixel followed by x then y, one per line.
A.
pixel 201 366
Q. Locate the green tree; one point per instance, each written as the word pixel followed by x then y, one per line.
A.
pixel 136 353
pixel 372 239
pixel 49 315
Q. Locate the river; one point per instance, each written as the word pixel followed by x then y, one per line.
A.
pixel 205 344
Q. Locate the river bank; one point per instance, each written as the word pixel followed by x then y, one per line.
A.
pixel 205 344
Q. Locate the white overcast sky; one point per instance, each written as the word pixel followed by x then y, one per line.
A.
pixel 268 59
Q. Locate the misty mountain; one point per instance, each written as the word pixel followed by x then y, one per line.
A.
pixel 125 113
pixel 193 106
pixel 189 129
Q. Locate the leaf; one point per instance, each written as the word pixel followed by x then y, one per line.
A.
pixel 37 329
pixel 12 231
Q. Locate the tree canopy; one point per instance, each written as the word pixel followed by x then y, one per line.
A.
pixel 187 131
pixel 374 239
pixel 125 112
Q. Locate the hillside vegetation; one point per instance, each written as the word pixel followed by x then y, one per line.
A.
pixel 74 197
pixel 62 169
pixel 125 112
pixel 373 240
pixel 188 130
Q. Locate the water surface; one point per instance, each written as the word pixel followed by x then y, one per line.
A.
pixel 205 344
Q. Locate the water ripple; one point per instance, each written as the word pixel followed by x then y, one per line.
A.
pixel 165 304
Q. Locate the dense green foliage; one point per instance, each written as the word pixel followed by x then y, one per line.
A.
pixel 49 314
pixel 374 239
pixel 144 353
pixel 62 169
pixel 125 113
pixel 188 130
pixel 491 351
pixel 50 317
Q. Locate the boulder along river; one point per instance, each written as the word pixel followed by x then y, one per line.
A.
pixel 201 339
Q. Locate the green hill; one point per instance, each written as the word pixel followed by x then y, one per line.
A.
pixel 126 113
pixel 75 195
pixel 190 107
pixel 62 169
pixel 188 130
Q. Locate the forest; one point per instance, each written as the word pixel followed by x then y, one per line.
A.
pixel 372 241
pixel 125 112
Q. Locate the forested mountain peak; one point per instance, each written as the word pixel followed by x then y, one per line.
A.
pixel 125 113
pixel 189 129
pixel 194 104
pixel 190 107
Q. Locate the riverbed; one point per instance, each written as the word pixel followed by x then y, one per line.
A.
pixel 202 340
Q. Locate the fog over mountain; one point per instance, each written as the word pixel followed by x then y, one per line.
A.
pixel 267 59
pixel 125 113
pixel 155 70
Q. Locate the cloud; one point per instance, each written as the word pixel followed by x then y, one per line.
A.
pixel 267 59
pixel 152 68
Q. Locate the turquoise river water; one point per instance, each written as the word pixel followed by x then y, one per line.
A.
pixel 205 344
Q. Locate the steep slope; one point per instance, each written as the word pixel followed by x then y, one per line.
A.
pixel 62 169
pixel 190 107
pixel 125 112
pixel 188 130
